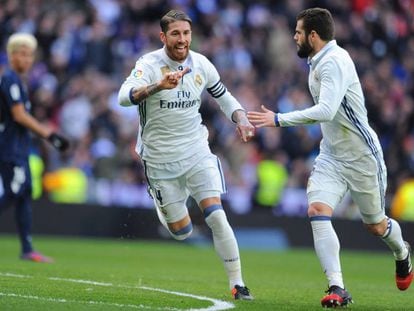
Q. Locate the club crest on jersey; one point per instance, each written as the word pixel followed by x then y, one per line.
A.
pixel 165 69
pixel 198 80
pixel 137 73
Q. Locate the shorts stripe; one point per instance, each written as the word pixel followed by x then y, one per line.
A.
pixel 146 173
pixel 223 182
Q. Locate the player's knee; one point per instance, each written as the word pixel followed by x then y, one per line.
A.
pixel 377 229
pixel 318 209
pixel 183 233
pixel 313 211
pixel 215 217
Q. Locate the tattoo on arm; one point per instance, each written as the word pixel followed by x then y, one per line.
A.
pixel 238 115
pixel 141 93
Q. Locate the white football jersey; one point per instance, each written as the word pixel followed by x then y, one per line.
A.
pixel 339 106
pixel 170 122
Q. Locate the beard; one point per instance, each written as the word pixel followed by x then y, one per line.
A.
pixel 304 50
pixel 175 54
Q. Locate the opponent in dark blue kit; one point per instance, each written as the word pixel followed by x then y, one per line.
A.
pixel 16 123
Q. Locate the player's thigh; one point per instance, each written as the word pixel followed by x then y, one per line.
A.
pixel 170 196
pixel 367 180
pixel 206 179
pixel 326 184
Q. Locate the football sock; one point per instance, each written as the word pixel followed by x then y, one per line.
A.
pixel 393 238
pixel 23 214
pixel 327 249
pixel 225 243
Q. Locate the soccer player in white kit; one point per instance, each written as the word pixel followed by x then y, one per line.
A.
pixel 350 157
pixel 166 85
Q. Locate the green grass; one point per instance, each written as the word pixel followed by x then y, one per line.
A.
pixel 279 280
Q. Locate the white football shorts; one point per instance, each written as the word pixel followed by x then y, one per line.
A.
pixel 365 178
pixel 204 179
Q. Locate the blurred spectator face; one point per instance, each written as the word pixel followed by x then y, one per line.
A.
pixel 22 59
pixel 304 48
pixel 177 40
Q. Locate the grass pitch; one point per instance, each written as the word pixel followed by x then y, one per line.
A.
pixel 100 274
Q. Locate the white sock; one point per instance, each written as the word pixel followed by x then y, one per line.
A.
pixel 226 245
pixel 393 238
pixel 327 249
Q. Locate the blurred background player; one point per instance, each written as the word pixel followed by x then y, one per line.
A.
pixel 166 84
pixel 350 155
pixel 16 123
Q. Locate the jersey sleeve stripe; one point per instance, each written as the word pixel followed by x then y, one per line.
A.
pixel 354 120
pixel 370 142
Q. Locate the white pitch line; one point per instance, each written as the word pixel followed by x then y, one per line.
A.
pixel 89 302
pixel 218 305
pixel 13 275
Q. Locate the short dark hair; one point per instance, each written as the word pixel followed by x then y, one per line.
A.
pixel 319 20
pixel 172 16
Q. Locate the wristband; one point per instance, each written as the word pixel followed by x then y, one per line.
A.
pixel 131 98
pixel 58 141
pixel 277 123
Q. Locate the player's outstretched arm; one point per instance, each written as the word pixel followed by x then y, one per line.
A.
pixel 262 119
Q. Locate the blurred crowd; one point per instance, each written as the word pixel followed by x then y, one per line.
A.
pixel 87 49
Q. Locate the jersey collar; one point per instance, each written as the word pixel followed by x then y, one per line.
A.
pixel 318 56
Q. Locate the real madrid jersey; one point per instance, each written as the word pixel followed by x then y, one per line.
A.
pixel 339 106
pixel 171 127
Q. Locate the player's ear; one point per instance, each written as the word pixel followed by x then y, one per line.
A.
pixel 162 37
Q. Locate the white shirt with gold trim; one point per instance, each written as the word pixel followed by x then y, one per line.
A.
pixel 170 122
pixel 339 106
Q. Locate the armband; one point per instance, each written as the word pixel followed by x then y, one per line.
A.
pixel 131 98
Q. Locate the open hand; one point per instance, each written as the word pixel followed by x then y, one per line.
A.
pixel 262 119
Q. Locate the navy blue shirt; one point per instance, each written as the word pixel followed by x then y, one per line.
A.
pixel 15 139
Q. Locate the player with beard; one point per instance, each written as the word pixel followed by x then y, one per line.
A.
pixel 350 157
pixel 166 85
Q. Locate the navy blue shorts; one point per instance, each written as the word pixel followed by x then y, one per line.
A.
pixel 15 180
